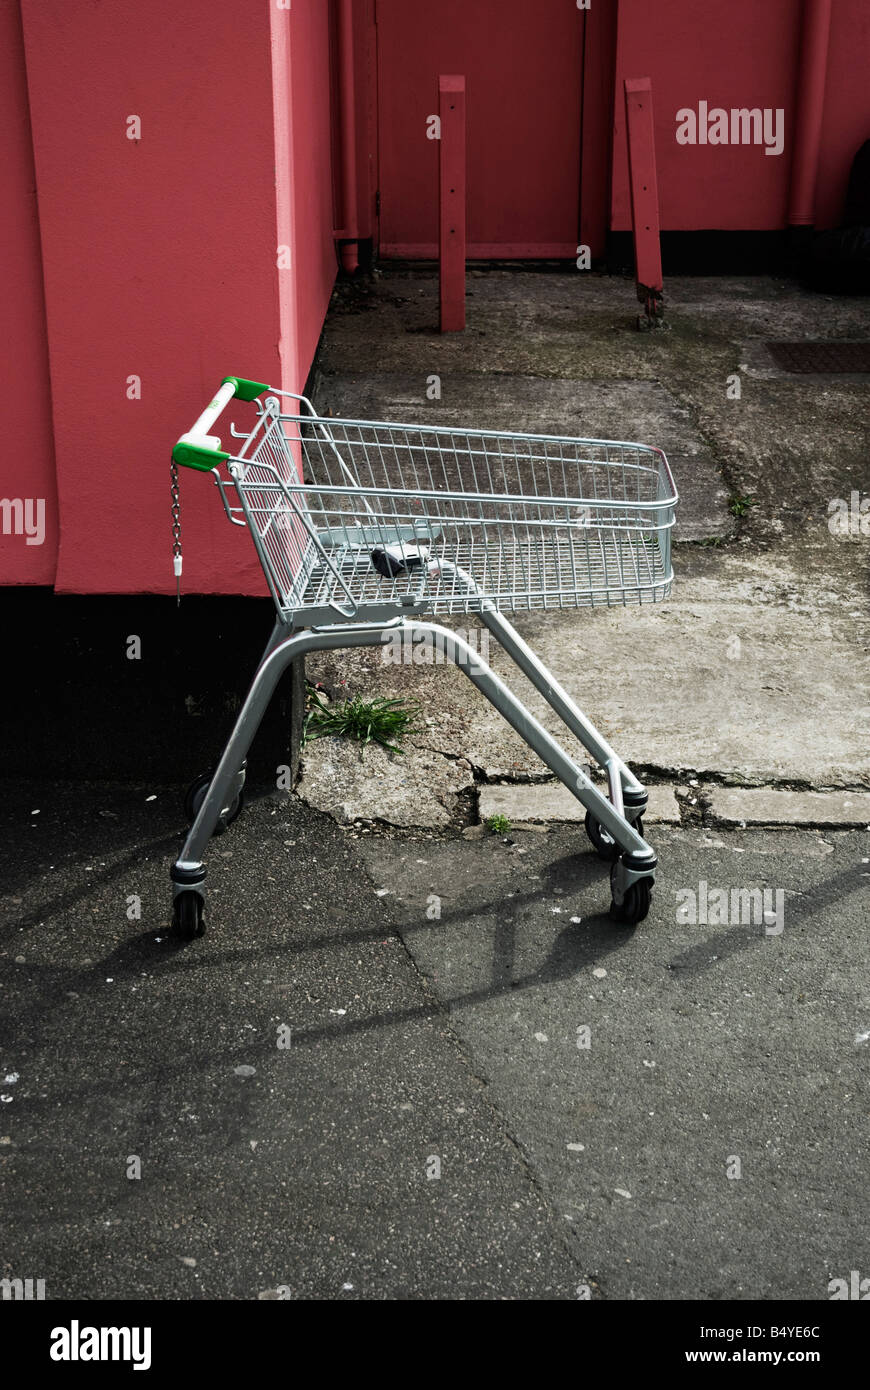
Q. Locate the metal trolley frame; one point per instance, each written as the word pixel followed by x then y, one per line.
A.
pixel 362 527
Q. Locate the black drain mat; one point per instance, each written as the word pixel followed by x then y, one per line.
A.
pixel 808 357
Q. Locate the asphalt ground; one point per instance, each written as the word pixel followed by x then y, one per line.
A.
pixel 335 1095
pixel 692 1097
pixel 305 1177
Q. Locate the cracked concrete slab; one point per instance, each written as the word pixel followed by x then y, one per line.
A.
pixel 752 672
pixel 757 670
pixel 767 806
pixel 530 803
pixel 416 788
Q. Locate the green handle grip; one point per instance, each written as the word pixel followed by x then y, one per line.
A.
pixel 246 390
pixel 191 454
pixel 197 456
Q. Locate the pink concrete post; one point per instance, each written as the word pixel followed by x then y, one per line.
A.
pixel 348 234
pixel 451 203
pixel 644 196
pixel 809 111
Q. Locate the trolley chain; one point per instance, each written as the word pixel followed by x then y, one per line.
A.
pixel 176 529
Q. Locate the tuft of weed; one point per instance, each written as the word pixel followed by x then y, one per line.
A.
pixel 739 503
pixel 365 721
pixel 499 825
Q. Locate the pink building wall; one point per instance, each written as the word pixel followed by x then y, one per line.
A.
pixel 737 53
pixel 160 257
pixel 157 257
pixel 27 463
pixel 523 67
pixel 846 123
pixel 730 53
pixel 309 123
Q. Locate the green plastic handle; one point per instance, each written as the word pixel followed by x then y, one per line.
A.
pixel 189 454
pixel 246 390
pixel 197 456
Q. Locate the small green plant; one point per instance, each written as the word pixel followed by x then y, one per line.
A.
pixel 499 825
pixel 739 503
pixel 367 721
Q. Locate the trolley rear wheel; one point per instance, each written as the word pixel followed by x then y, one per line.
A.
pixel 195 796
pixel 635 904
pixel 188 916
pixel 602 841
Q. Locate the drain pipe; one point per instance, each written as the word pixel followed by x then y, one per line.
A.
pixel 809 110
pixel 348 235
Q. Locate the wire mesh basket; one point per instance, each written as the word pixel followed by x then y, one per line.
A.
pixel 363 526
pixel 350 513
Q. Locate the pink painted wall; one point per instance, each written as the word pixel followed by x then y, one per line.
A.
pixel 737 53
pixel 730 53
pixel 160 258
pixel 156 257
pixel 523 67
pixel 27 461
pixel 310 119
pixel 846 123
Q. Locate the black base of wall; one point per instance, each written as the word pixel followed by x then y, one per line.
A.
pixel 74 705
pixel 707 253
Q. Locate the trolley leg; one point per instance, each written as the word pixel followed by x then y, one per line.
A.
pixel 188 872
pixel 620 777
pixel 626 792
pixel 536 736
pixel 632 873
pixel 637 862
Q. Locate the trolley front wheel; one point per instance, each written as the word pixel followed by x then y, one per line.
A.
pixel 188 916
pixel 635 904
pixel 196 796
pixel 602 841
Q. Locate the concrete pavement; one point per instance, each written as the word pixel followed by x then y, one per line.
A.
pixel 437 1124
pixel 757 670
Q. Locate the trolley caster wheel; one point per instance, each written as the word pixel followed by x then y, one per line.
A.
pixel 635 904
pixel 195 796
pixel 188 916
pixel 602 841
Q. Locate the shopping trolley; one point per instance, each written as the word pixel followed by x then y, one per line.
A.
pixel 363 526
